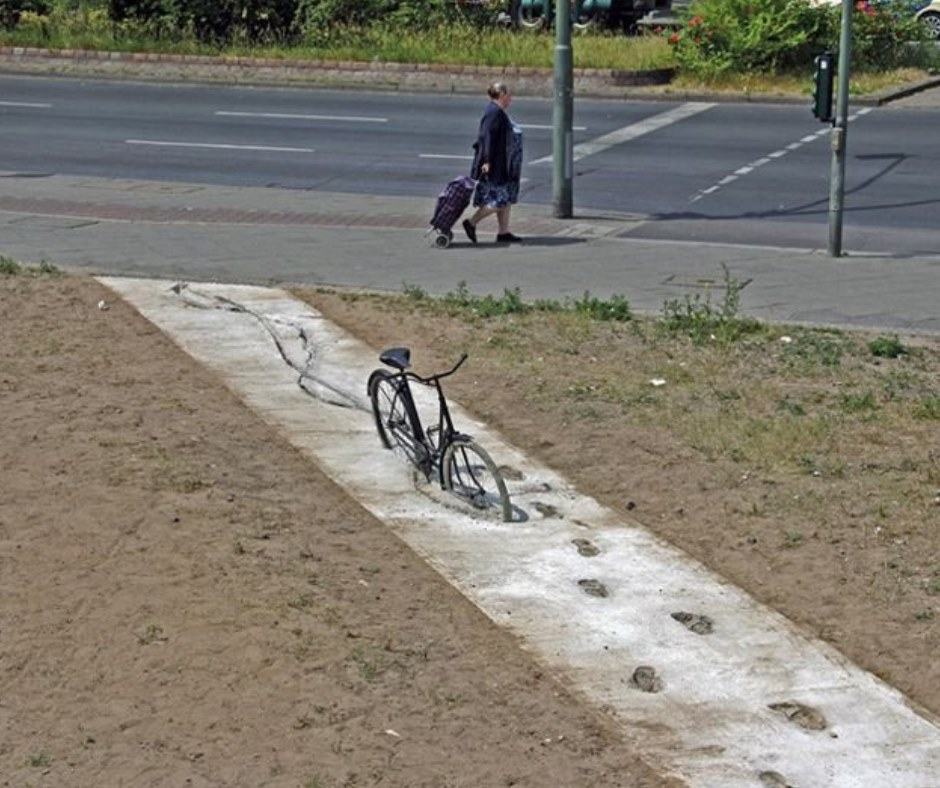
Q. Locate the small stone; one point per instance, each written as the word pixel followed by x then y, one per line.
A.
pixel 545 509
pixel 644 678
pixel 699 624
pixel 631 505
pixel 513 474
pixel 593 587
pixel 773 780
pixel 806 717
pixel 585 547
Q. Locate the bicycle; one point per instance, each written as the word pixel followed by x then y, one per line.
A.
pixel 462 466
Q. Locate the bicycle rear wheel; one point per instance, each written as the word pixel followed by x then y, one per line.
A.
pixel 469 472
pixel 394 415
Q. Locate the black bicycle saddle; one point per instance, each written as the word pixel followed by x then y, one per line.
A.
pixel 398 357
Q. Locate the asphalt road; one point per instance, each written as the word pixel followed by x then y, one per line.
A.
pixel 733 173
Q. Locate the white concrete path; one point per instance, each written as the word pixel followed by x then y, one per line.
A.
pixel 711 721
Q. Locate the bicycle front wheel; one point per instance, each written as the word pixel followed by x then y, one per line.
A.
pixel 469 472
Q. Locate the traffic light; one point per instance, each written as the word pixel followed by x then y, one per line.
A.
pixel 822 86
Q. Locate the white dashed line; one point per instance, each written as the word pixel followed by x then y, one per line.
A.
pixel 218 146
pixel 777 154
pixel 292 116
pixel 26 104
pixel 539 127
pixel 634 130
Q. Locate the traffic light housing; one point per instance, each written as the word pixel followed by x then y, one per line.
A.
pixel 823 79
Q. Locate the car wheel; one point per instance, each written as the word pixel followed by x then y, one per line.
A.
pixel 932 22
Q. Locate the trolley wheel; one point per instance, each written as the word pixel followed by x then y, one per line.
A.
pixel 442 241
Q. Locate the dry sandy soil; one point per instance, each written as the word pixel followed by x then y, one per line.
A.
pixel 185 600
pixel 807 472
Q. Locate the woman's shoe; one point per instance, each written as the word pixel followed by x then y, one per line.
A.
pixel 508 238
pixel 470 230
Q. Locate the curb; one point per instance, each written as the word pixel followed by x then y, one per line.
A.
pixel 602 83
pixel 888 96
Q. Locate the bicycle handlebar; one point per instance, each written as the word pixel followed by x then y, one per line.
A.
pixel 431 378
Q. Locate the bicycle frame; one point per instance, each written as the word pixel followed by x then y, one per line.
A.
pixel 432 453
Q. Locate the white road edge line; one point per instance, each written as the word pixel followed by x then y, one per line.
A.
pixel 444 156
pixel 631 132
pixel 218 146
pixel 298 116
pixel 27 104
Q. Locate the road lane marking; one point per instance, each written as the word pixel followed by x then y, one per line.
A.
pixel 28 104
pixel 444 156
pixel 777 154
pixel 540 127
pixel 298 116
pixel 631 132
pixel 218 146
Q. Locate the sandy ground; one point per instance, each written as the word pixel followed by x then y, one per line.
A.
pixel 185 600
pixel 851 553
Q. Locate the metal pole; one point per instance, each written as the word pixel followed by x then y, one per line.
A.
pixel 839 133
pixel 563 113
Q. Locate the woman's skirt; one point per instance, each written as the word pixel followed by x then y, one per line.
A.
pixel 496 195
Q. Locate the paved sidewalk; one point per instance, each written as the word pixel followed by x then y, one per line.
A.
pixel 257 235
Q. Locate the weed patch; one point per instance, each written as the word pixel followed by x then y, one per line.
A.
pixel 858 403
pixel 702 321
pixel 928 408
pixel 887 347
pixel 462 302
pixel 815 348
pixel 39 760
pixel 9 267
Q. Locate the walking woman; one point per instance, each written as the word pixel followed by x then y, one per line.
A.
pixel 497 166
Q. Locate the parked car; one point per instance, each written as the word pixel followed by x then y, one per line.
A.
pixel 930 16
pixel 622 14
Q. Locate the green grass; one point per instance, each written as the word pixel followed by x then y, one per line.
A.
pixel 462 301
pixel 453 44
pixel 887 347
pixel 10 267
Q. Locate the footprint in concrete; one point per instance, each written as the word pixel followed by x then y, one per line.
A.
pixel 644 678
pixel 594 588
pixel 513 474
pixel 585 547
pixel 700 625
pixel 546 509
pixel 805 716
pixel 773 780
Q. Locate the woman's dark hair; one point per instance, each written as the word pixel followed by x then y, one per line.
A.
pixel 497 89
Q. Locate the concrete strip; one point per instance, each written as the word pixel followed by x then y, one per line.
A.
pixel 711 721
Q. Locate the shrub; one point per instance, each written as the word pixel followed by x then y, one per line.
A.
pixel 146 12
pixel 887 347
pixel 315 18
pixel 784 35
pixel 219 21
pixel 12 10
